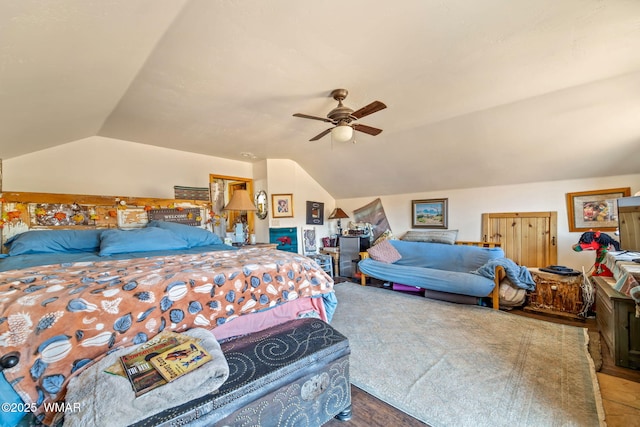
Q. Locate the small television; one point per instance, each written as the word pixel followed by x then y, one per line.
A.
pixel 629 223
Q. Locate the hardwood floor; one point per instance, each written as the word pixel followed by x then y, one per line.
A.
pixel 619 388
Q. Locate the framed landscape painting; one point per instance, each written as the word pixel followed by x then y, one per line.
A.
pixel 429 213
pixel 595 210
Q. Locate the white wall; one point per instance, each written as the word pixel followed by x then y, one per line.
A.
pixel 287 177
pixel 467 205
pixel 98 165
pixel 106 166
pixel 260 182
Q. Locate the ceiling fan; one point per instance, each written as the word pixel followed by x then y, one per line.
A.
pixel 343 118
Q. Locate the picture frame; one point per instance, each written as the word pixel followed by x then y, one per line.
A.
pixel 282 205
pixel 595 210
pixel 310 244
pixel 429 213
pixel 315 213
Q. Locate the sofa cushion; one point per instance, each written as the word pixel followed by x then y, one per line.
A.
pixel 433 236
pixel 464 259
pixel 384 252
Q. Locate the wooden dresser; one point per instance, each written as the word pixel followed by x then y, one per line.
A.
pixel 617 323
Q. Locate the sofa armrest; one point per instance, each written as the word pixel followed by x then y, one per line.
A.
pixel 363 277
pixel 495 293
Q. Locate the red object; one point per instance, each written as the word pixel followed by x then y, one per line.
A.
pixel 601 243
pixel 284 240
pixel 13 215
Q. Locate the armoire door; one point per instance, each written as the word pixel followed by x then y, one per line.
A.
pixel 528 238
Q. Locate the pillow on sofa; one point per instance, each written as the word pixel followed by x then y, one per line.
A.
pixel 54 241
pixel 195 236
pixel 139 240
pixel 384 252
pixel 435 236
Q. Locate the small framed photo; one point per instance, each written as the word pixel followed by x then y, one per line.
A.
pixel 429 213
pixel 315 213
pixel 595 210
pixel 282 205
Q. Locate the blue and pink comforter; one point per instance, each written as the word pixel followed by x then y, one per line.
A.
pixel 63 317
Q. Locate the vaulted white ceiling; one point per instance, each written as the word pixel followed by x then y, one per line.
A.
pixel 479 93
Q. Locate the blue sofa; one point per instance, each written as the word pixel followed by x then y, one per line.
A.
pixel 440 267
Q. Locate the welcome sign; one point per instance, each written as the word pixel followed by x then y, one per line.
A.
pixel 187 216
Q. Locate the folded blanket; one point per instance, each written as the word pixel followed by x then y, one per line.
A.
pixel 519 276
pixel 109 400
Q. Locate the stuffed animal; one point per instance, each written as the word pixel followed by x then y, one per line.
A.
pixel 601 243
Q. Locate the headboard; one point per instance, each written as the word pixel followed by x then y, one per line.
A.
pixel 23 211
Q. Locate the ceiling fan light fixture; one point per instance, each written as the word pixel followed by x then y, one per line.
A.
pixel 342 133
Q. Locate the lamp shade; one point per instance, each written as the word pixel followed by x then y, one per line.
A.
pixel 338 214
pixel 240 201
pixel 342 133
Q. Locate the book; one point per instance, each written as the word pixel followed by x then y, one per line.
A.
pixel 117 369
pixel 180 360
pixel 141 373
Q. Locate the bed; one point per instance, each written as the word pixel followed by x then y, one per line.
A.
pixel 68 297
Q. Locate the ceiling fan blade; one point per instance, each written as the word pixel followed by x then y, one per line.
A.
pixel 375 106
pixel 320 135
pixel 306 116
pixel 366 129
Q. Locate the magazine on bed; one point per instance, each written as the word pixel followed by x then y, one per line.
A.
pixel 180 360
pixel 141 373
pixel 117 368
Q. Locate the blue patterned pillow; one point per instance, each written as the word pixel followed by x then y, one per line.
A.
pixel 139 240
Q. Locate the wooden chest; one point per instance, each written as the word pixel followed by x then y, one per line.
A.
pixel 556 294
pixel 296 373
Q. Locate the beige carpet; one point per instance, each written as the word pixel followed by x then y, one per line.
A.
pixel 457 365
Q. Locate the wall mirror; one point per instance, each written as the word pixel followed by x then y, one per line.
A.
pixel 221 190
pixel 262 204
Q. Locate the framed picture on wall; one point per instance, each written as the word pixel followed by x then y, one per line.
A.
pixel 315 213
pixel 429 213
pixel 282 205
pixel 310 242
pixel 595 210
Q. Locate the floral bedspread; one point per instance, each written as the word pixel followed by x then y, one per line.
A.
pixel 62 317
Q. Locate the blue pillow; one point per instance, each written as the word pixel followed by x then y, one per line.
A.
pixel 139 240
pixel 194 236
pixel 54 241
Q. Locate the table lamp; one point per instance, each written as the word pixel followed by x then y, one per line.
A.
pixel 338 214
pixel 241 202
